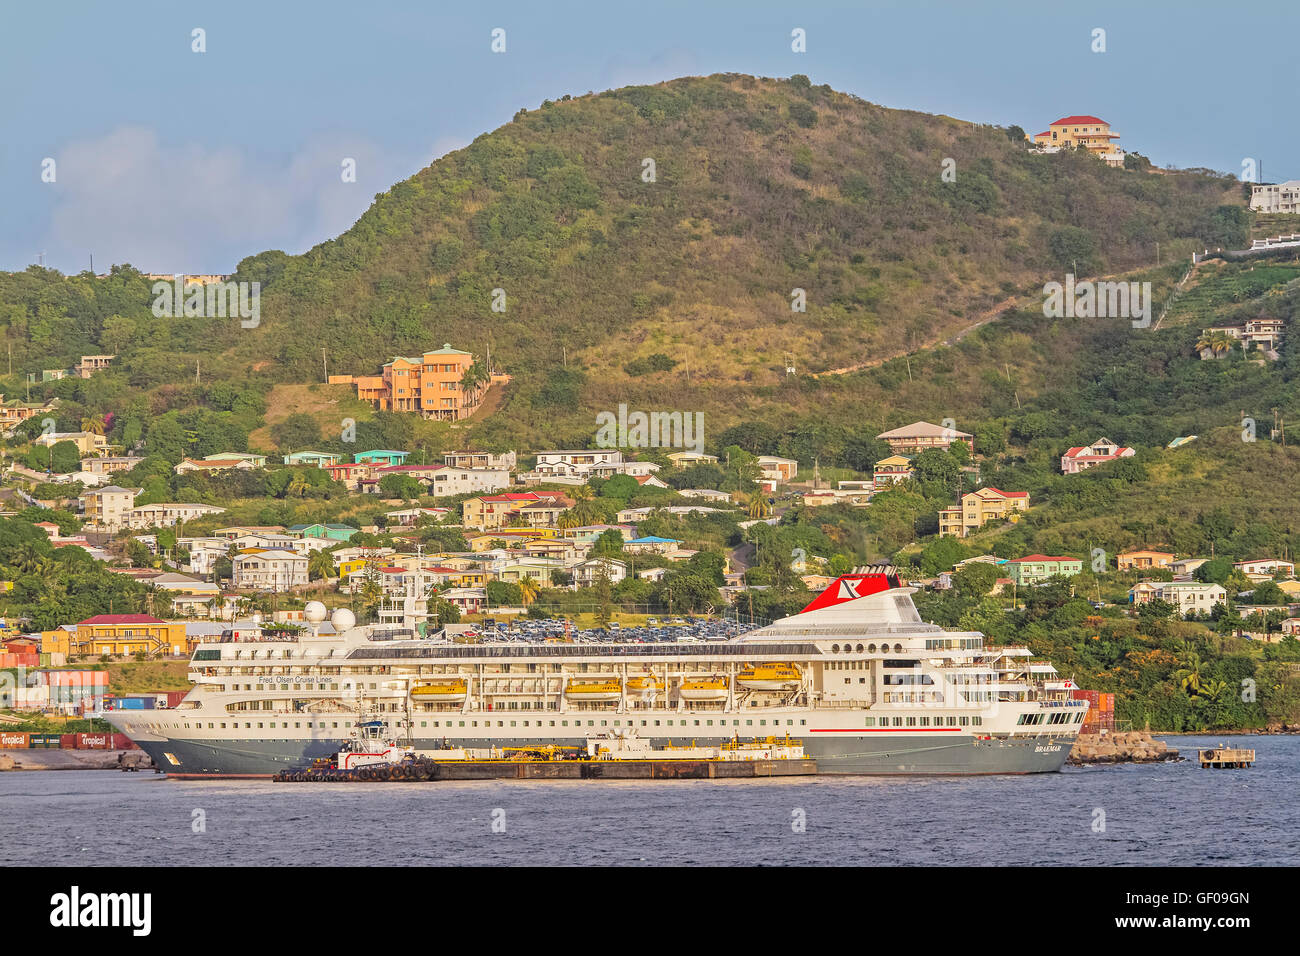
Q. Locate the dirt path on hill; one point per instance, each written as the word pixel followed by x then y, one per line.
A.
pixel 983 318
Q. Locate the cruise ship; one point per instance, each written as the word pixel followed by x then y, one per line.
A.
pixel 857 677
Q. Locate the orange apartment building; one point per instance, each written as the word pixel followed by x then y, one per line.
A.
pixel 428 384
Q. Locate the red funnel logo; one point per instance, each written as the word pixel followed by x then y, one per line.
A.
pixel 850 587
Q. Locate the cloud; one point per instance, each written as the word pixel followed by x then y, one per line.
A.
pixel 185 207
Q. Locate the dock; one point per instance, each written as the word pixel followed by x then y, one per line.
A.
pixel 1225 758
pixel 428 770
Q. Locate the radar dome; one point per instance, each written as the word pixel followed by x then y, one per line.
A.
pixel 315 612
pixel 343 620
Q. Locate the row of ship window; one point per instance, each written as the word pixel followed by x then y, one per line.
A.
pixel 870 649
pixel 1057 718
pixel 939 720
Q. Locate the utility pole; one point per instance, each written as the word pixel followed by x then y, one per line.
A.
pixel 325 364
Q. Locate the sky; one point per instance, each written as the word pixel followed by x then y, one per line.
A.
pixel 181 161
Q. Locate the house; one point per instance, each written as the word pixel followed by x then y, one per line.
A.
pixel 686 459
pixel 504 461
pixel 234 531
pixel 588 573
pixel 1098 453
pixel 210 465
pixel 336 532
pixel 16 412
pixel 1276 197
pixel 1291 627
pixel 651 544
pixel 124 634
pixel 920 436
pixel 108 507
pixel 1188 596
pixel 317 459
pixel 1081 132
pixel 256 461
pixel 979 507
pixel 1262 332
pixel 1265 569
pixel 204 552
pixel 429 385
pixel 1186 565
pixel 409 517
pixel 648 481
pixel 382 456
pixel 652 574
pixel 892 471
pixel 1039 567
pixel 166 514
pixel 87 442
pixel 1142 560
pixel 90 364
pixel 1144 592
pixel 632 515
pixel 779 470
pixel 487 512
pixel 108 465
pixel 708 494
pixel 442 481
pixel 469 600
pixel 266 569
pixel 571 467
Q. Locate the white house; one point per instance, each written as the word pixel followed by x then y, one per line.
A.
pixel 264 569
pixel 166 514
pixel 1190 596
pixel 570 467
pixel 1265 569
pixel 587 573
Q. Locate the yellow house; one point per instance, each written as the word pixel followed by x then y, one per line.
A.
pixel 348 567
pixel 1084 132
pixel 124 634
pixel 981 506
pixel 57 641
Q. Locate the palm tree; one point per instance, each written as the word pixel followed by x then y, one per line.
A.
pixel 568 519
pixel 758 507
pixel 1189 676
pixel 93 424
pixel 320 565
pixel 298 485
pixel 528 590
pixel 1216 341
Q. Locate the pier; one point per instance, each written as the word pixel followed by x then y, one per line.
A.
pixel 1225 758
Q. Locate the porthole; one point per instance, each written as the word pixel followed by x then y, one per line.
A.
pixel 859 648
pixel 898 648
pixel 835 648
pixel 871 648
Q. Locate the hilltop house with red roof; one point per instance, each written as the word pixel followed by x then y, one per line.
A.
pixel 1081 132
pixel 1098 453
pixel 980 507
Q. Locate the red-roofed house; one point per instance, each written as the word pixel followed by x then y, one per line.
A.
pixel 1098 453
pixel 979 507
pixel 489 512
pixel 1083 132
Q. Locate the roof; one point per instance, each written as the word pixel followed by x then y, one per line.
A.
pixel 923 430
pixel 1079 121
pixel 1038 558
pixel 1004 494
pixel 120 619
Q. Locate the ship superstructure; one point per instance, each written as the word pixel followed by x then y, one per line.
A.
pixel 858 677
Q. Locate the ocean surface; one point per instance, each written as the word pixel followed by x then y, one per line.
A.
pixel 1122 815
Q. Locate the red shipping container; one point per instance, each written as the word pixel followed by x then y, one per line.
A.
pixel 94 741
pixel 68 741
pixel 123 742
pixel 12 741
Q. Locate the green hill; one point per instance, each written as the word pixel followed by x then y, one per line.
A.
pixel 761 187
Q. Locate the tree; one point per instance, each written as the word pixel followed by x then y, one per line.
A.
pixel 1214 571
pixel 937 465
pixel 528 589
pixel 975 580
pixel 400 486
pixel 320 565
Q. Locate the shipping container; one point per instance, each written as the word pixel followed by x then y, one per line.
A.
pixel 42 741
pixel 13 741
pixel 123 742
pixel 68 741
pixel 94 741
